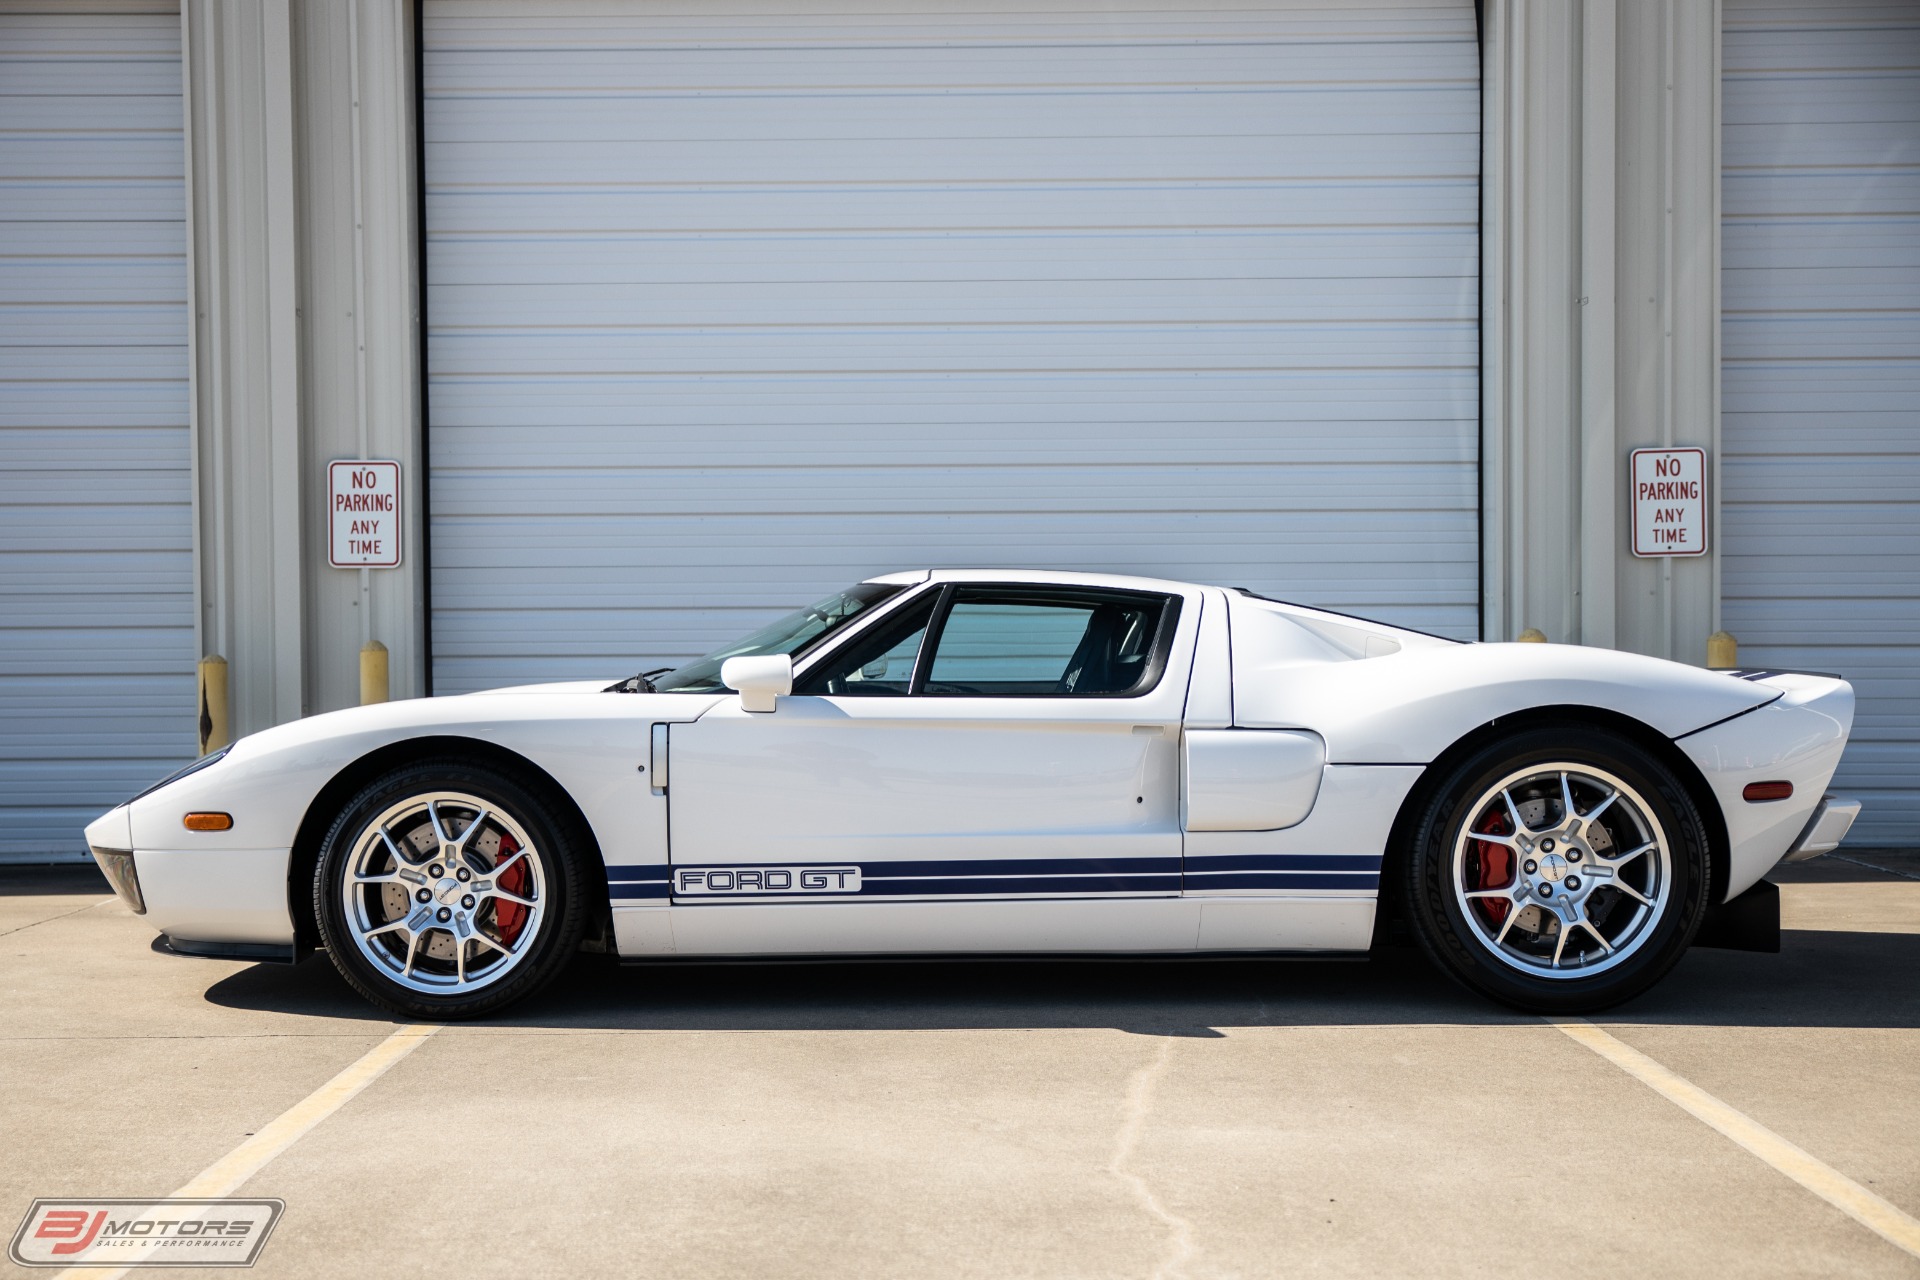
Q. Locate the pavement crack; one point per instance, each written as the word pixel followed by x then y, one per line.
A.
pixel 1139 1102
pixel 22 928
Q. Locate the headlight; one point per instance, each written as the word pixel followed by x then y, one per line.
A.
pixel 213 757
pixel 117 866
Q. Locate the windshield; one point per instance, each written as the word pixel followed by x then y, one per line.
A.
pixel 793 634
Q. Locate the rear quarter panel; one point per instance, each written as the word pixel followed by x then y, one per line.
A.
pixel 1408 707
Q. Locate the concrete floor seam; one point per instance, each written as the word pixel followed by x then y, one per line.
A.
pixel 1138 1105
pixel 22 928
pixel 1873 866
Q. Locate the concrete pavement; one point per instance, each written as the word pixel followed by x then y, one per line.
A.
pixel 981 1119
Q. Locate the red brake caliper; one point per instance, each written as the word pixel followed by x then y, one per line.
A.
pixel 510 917
pixel 1496 864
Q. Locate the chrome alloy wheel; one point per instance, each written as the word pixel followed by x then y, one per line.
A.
pixel 444 893
pixel 1561 870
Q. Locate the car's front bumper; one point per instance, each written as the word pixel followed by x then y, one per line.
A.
pixel 196 895
pixel 1832 819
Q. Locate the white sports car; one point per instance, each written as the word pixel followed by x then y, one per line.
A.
pixel 1000 761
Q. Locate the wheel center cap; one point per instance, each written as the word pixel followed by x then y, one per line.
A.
pixel 1553 867
pixel 449 889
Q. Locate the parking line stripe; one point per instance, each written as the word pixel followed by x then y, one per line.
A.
pixel 229 1173
pixel 1877 1215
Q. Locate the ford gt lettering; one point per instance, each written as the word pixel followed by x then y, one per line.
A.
pixel 960 762
pixel 693 882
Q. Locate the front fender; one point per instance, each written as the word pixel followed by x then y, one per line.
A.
pixel 591 743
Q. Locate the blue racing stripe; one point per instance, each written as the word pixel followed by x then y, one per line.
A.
pixel 895 887
pixel 1283 862
pixel 1284 880
pixel 1046 876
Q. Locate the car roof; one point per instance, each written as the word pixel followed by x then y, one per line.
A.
pixel 1048 577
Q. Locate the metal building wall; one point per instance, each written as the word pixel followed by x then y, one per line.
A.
pixel 1821 473
pixel 730 307
pixel 96 483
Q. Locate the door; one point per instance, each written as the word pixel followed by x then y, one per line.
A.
pixel 979 741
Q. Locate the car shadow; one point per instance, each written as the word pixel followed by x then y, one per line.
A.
pixel 1819 979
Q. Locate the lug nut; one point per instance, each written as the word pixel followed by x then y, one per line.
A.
pixel 467 902
pixel 1573 882
pixel 1546 891
pixel 1547 844
pixel 436 871
pixel 424 896
pixel 446 914
pixel 1573 855
pixel 465 875
pixel 1532 866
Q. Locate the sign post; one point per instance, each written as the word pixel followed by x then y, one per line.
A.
pixel 363 515
pixel 1669 502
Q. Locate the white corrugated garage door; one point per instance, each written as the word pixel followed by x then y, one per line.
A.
pixel 96 518
pixel 1821 375
pixel 733 304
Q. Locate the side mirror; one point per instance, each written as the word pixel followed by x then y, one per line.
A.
pixel 758 680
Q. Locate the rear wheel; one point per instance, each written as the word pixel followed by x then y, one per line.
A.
pixel 448 890
pixel 1561 870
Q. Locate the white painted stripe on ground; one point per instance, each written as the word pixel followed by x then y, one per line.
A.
pixel 1877 1215
pixel 229 1173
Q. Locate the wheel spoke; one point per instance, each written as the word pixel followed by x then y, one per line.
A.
pixel 413 950
pixel 460 960
pixel 1513 812
pixel 1560 944
pixel 1567 810
pixel 472 827
pixel 510 897
pixel 385 928
pixel 394 851
pixel 1630 891
pixel 1507 927
pixel 1614 864
pixel 481 935
pixel 1511 842
pixel 439 827
pixel 1588 819
pixel 1506 893
pixel 506 862
pixel 1597 935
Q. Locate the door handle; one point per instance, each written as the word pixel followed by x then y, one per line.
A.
pixel 658 763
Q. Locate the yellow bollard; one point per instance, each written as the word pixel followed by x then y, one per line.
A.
pixel 214 733
pixel 1723 651
pixel 373 673
pixel 1532 635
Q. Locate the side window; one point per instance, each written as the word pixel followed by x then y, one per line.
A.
pixel 876 665
pixel 1040 642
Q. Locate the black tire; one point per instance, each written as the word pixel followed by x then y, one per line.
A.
pixel 525 958
pixel 1485 951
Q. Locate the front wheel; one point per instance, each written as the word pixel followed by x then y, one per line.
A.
pixel 448 890
pixel 1561 870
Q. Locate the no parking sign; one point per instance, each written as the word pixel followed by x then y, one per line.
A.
pixel 1669 502
pixel 363 515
